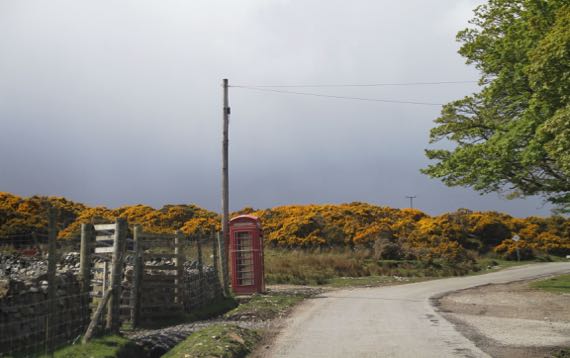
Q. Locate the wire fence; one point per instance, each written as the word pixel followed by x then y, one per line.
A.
pixel 45 303
pixel 42 306
pixel 172 287
pixel 34 244
pixel 203 280
pixel 30 329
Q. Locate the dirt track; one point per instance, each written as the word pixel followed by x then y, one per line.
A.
pixel 512 320
pixel 396 321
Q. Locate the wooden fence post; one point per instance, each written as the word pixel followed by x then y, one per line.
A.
pixel 179 262
pixel 52 284
pixel 214 251
pixel 35 240
pixel 200 265
pixel 200 258
pixel 104 283
pixel 97 316
pixel 137 276
pixel 224 264
pixel 216 259
pixel 85 265
pixel 113 311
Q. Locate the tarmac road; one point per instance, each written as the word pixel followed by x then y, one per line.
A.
pixel 394 321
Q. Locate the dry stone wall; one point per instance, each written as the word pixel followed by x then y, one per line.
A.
pixel 24 305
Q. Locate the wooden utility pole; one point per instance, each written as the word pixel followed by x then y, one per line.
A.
pixel 225 179
pixel 411 197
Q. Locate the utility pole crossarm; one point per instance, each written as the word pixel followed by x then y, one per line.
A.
pixel 411 197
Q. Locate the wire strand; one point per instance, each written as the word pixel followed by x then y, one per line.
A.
pixel 360 84
pixel 341 97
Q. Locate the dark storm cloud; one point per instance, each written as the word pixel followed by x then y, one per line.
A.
pixel 118 102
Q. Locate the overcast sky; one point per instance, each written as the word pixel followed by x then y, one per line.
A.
pixel 119 102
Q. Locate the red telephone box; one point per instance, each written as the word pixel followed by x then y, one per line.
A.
pixel 246 255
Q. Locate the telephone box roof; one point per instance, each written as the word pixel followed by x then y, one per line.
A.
pixel 249 217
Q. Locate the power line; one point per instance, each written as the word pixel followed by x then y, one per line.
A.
pixel 340 97
pixel 360 84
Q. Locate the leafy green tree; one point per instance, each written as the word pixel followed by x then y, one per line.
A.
pixel 514 135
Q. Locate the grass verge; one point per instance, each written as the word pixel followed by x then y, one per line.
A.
pixel 487 265
pixel 561 353
pixel 372 281
pixel 265 306
pixel 320 267
pixel 213 309
pixel 109 346
pixel 558 284
pixel 228 340
pixel 220 340
pixel 344 267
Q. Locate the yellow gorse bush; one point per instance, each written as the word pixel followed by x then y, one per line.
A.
pixel 407 232
pixel 448 236
pixel 24 215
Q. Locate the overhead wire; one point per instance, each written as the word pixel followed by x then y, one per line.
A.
pixel 339 97
pixel 359 84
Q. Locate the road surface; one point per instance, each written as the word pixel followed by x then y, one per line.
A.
pixel 394 321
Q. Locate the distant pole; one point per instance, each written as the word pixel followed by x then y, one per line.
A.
pixel 516 239
pixel 225 180
pixel 411 197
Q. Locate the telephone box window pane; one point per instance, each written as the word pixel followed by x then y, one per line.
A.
pixel 244 258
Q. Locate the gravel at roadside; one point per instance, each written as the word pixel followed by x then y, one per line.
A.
pixel 510 320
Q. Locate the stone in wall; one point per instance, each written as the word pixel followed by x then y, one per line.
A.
pixel 24 305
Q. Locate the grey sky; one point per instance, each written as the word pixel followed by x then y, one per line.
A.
pixel 118 102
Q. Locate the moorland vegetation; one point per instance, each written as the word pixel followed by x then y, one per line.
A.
pixel 388 233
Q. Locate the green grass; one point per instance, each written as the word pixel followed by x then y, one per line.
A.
pixel 118 346
pixel 264 306
pixel 344 267
pixel 558 284
pixel 487 265
pixel 372 281
pixel 220 340
pixel 109 346
pixel 216 308
pixel 561 353
pixel 213 309
pixel 325 267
